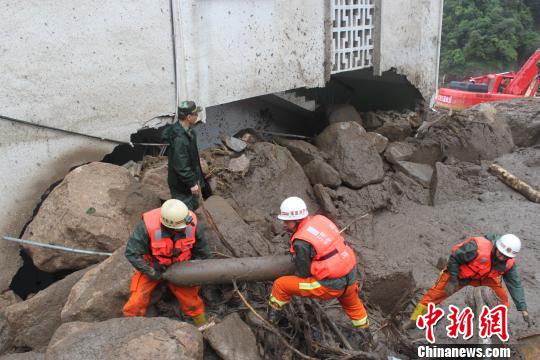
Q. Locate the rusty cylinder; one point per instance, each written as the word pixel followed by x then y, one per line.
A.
pixel 223 271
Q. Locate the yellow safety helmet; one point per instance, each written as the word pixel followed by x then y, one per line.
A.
pixel 174 214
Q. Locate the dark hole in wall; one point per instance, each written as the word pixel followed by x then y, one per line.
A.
pixel 29 279
pixel 124 153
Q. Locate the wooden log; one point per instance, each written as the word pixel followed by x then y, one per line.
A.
pixel 223 271
pixel 512 181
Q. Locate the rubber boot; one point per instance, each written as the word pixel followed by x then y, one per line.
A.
pixel 199 320
pixel 420 309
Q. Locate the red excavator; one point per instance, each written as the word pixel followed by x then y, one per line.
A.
pixel 492 87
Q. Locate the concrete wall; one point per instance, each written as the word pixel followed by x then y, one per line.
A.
pixel 237 49
pixel 408 34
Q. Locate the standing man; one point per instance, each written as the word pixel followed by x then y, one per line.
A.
pixel 325 265
pixel 479 261
pixel 185 177
pixel 165 236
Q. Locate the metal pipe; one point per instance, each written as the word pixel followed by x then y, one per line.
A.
pixel 56 247
pixel 223 271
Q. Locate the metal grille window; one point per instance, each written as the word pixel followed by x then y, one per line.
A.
pixel 352 34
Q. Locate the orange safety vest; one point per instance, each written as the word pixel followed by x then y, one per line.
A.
pixel 163 249
pixel 480 267
pixel 333 258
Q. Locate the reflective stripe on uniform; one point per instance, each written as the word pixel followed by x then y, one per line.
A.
pixel 309 286
pixel 277 302
pixel 362 322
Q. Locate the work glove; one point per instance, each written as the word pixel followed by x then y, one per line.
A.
pixel 452 286
pixel 527 319
pixel 154 274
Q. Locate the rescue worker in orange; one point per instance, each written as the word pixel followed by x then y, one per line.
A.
pixel 165 236
pixel 325 265
pixel 479 261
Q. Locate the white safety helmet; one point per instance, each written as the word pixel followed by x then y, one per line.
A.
pixel 174 214
pixel 293 208
pixel 509 245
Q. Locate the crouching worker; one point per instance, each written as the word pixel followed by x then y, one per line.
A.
pixel 479 261
pixel 325 265
pixel 165 236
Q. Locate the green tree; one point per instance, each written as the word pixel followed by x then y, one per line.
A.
pixel 481 36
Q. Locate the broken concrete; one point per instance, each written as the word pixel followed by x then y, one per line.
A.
pixel 352 154
pixel 419 172
pixel 378 141
pixel 102 292
pixel 234 144
pixel 302 151
pixel 471 135
pixel 398 151
pixel 242 241
pixel 239 344
pixel 126 339
pixel 320 172
pixel 343 113
pixel 31 323
pixel 90 209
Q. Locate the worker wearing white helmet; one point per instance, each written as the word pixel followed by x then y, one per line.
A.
pixel 479 261
pixel 325 264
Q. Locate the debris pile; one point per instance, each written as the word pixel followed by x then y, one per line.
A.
pixel 404 194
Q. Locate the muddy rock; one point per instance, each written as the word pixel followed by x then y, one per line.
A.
pixel 343 113
pixel 232 345
pixel 426 152
pixel 398 151
pixel 90 209
pixel 302 151
pixel 471 135
pixel 30 355
pixel 319 172
pixel 523 117
pixel 234 144
pixel 378 141
pixel 446 185
pixel 325 200
pixel 31 323
pixel 102 292
pixel 154 178
pixel 241 240
pixel 392 125
pixel 419 172
pixel 352 154
pixel 239 164
pixel 126 339
pixel 403 188
pixel 273 176
pixel 8 298
pixel 11 262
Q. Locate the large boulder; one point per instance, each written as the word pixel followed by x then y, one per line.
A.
pixel 471 135
pixel 343 113
pixel 102 292
pixel 273 176
pixel 92 208
pixel 352 154
pixel 8 298
pixel 398 151
pixel 523 117
pixel 392 125
pixel 302 151
pixel 126 339
pixel 11 262
pixel 31 323
pixel 240 239
pixel 422 173
pixel 30 355
pixel 320 172
pixel 379 142
pixel 446 185
pixel 239 344
pixel 154 176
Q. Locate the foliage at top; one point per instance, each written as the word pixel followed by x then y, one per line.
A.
pixel 482 36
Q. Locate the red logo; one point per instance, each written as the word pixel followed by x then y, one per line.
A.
pixel 460 322
pixel 494 322
pixel 429 320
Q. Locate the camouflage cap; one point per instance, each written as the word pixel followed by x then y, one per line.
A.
pixel 188 107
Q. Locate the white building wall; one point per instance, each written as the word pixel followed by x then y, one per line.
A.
pixel 408 36
pixel 237 49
